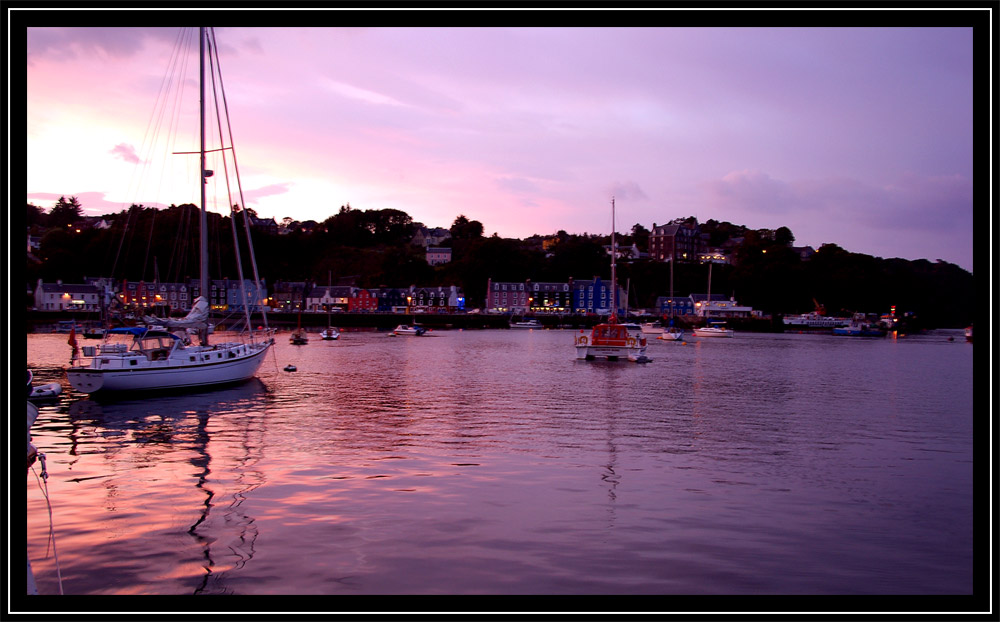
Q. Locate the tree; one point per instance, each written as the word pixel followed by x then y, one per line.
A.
pixel 465 229
pixel 65 212
pixel 783 236
pixel 640 236
pixel 36 216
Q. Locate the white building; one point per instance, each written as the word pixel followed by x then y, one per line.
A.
pixel 61 296
pixel 438 255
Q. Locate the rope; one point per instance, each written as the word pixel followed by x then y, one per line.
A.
pixel 43 484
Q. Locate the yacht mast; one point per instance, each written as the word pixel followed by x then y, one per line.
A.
pixel 614 282
pixel 204 215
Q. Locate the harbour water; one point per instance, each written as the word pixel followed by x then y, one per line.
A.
pixel 493 462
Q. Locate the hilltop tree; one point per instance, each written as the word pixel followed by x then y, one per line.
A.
pixel 65 212
pixel 465 229
pixel 36 216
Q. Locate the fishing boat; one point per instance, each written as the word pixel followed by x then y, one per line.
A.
pixel 860 326
pixel 532 323
pixel 405 330
pixel 612 340
pixel 140 359
pixel 714 328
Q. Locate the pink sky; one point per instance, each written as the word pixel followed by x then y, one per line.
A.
pixel 856 136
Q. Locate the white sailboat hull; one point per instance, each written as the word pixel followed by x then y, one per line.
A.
pixel 671 336
pixel 712 332
pixel 218 365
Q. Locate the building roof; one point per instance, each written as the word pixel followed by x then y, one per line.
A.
pixel 82 288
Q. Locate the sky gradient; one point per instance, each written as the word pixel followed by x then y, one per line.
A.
pixel 862 137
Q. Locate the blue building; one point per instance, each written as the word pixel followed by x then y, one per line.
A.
pixel 255 299
pixel 595 297
pixel 678 305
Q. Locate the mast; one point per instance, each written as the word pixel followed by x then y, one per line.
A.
pixel 204 214
pixel 708 302
pixel 614 282
pixel 672 285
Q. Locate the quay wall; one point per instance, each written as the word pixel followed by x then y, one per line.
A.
pixel 45 321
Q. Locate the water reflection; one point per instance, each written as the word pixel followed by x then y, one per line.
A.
pixel 495 462
pixel 207 442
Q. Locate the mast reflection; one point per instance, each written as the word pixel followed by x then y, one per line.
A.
pixel 223 430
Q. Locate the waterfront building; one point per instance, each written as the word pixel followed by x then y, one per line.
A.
pixel 289 296
pixel 391 299
pixel 595 297
pixel 256 300
pixel 549 297
pixel 506 297
pixel 218 294
pixel 328 298
pixel 362 301
pixel 676 305
pixel 157 297
pixel 436 299
pixel 61 296
pixel 720 307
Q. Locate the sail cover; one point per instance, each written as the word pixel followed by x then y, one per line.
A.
pixel 196 318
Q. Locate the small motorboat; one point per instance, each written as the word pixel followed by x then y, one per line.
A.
pixel 652 328
pixel 94 333
pixel 330 334
pixel 406 330
pixel 713 329
pixel 291 368
pixel 532 323
pixel 43 392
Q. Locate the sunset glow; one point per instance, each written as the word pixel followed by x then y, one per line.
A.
pixel 860 137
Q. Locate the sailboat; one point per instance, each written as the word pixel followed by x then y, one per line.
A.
pixel 299 336
pixel 671 332
pixel 140 358
pixel 611 340
pixel 712 328
pixel 330 333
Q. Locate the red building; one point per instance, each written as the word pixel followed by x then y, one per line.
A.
pixel 362 300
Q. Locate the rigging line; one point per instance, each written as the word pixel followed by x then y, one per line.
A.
pixel 43 485
pixel 149 244
pixel 213 54
pixel 239 187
